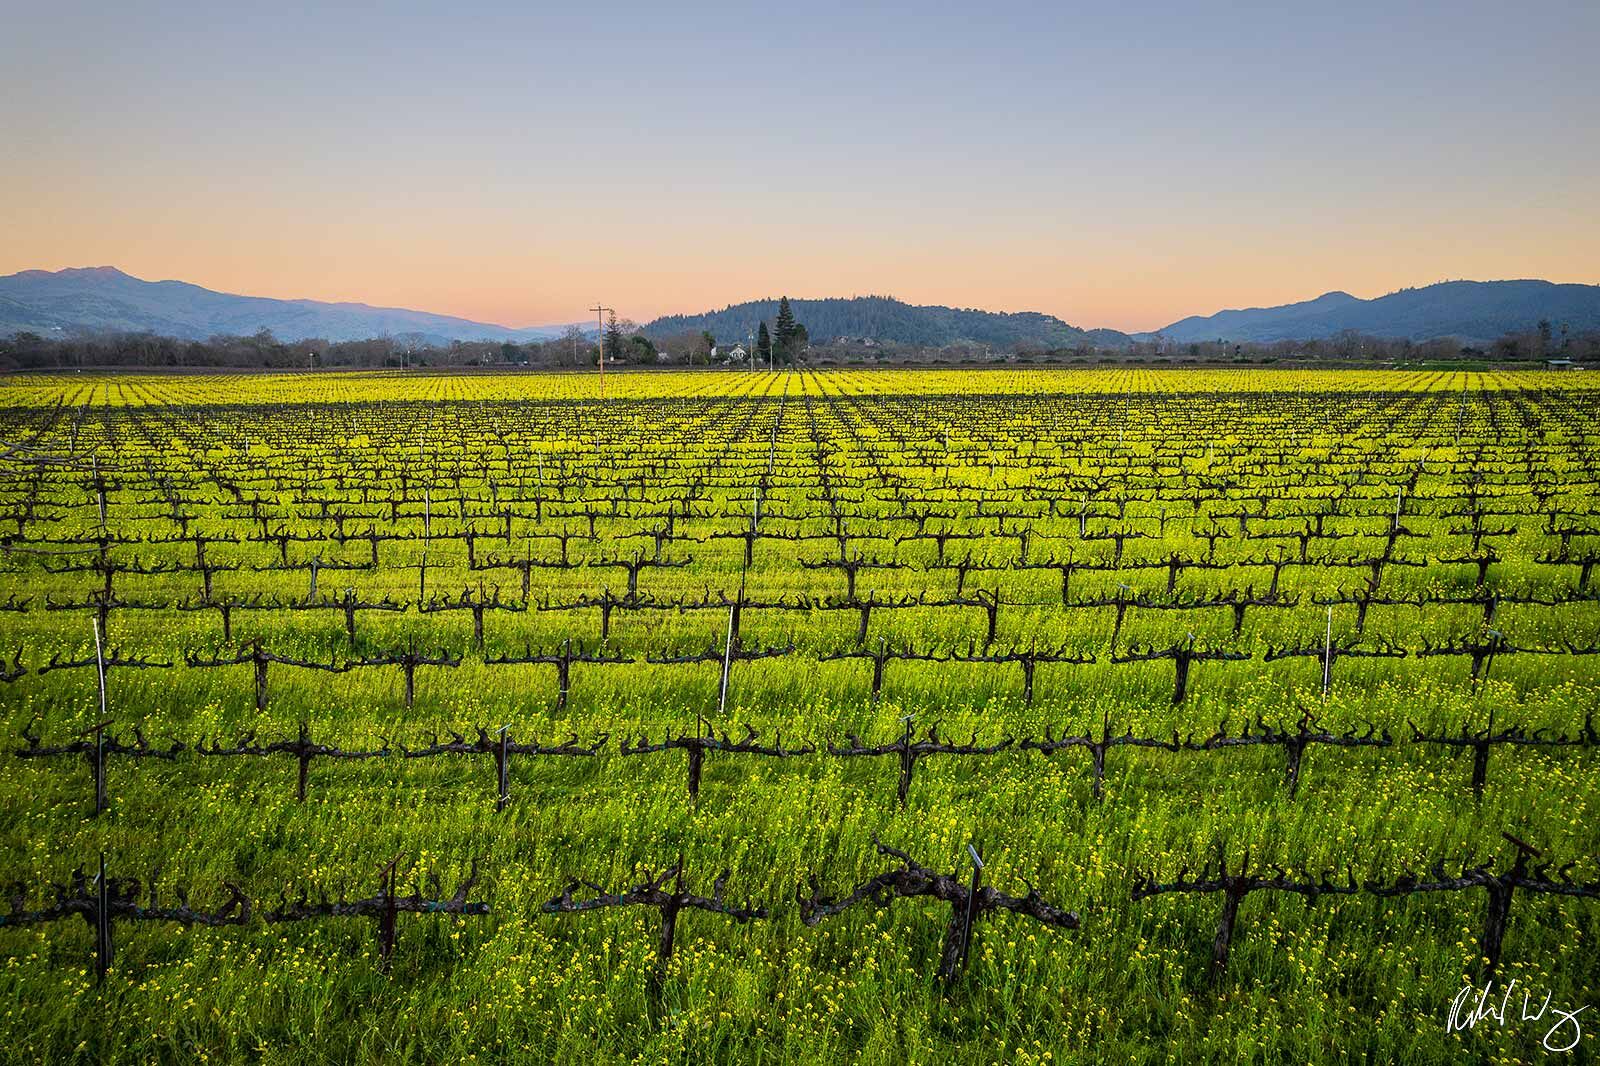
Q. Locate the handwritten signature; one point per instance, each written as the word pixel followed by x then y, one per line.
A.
pixel 1473 1006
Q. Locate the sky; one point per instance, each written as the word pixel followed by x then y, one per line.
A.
pixel 1116 165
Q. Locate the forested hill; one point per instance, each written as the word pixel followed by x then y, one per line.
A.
pixel 887 320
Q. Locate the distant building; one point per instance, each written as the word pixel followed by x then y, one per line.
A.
pixel 1561 364
pixel 736 354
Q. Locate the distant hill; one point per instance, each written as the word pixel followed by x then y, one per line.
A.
pixel 105 300
pixel 1470 310
pixel 887 320
pixel 99 300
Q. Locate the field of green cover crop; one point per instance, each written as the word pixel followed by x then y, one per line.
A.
pixel 842 716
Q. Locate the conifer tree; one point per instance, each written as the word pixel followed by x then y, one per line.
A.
pixel 783 331
pixel 613 338
pixel 763 342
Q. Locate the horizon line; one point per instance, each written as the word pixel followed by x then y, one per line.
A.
pixel 767 299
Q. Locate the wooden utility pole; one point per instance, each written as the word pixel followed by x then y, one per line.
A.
pixel 600 335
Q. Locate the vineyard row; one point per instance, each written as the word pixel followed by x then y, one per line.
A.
pixel 98 745
pixel 102 900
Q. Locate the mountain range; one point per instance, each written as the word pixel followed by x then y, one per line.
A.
pixel 1470 310
pixel 106 300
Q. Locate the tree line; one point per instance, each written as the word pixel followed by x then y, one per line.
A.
pixel 786 342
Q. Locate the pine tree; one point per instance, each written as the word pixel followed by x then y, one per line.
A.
pixel 763 342
pixel 613 338
pixel 784 332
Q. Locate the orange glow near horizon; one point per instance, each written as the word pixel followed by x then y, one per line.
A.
pixel 1013 159
pixel 1117 293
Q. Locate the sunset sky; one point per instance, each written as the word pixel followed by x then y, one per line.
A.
pixel 1118 168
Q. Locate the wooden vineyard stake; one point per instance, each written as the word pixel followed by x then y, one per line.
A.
pixel 102 900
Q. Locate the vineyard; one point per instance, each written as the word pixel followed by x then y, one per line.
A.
pixel 945 716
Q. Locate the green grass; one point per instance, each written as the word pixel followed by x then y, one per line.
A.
pixel 1345 979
